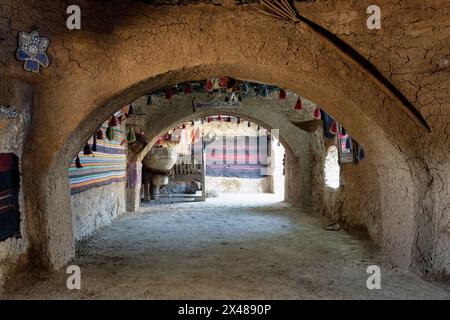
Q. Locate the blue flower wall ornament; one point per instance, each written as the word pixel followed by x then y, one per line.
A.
pixel 32 49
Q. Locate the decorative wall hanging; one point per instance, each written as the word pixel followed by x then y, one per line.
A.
pixel 108 165
pixel 32 50
pixel 8 112
pixel 9 196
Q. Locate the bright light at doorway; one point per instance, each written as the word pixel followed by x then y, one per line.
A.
pixel 332 169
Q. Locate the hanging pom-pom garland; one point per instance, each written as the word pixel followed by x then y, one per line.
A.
pixel 316 113
pixel 298 104
pixel 282 94
pixel 78 162
pixel 187 88
pixel 168 94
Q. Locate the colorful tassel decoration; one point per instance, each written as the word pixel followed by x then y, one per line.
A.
pixel 131 136
pixel 282 94
pixel 209 87
pixel 316 114
pixel 149 101
pixel 245 88
pixel 187 88
pixel 224 82
pixel 348 143
pixel 264 91
pixel 113 122
pixel 99 134
pixel 110 133
pixel 78 162
pixel 333 128
pixel 94 143
pixel 87 150
pixel 169 93
pixel 298 104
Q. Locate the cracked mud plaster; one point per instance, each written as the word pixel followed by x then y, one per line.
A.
pixel 126 50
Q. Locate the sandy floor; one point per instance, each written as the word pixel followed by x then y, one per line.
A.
pixel 252 248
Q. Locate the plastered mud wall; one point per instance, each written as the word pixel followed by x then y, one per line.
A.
pixel 97 207
pixel 356 203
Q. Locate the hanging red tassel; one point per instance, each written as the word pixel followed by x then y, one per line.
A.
pixel 316 114
pixel 298 104
pixel 99 134
pixel 187 88
pixel 209 119
pixel 238 120
pixel 229 119
pixel 169 93
pixel 333 128
pixel 282 94
pixel 224 82
pixel 209 85
pixel 78 162
pixel 113 122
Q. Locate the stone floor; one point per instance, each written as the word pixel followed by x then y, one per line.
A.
pixel 234 246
